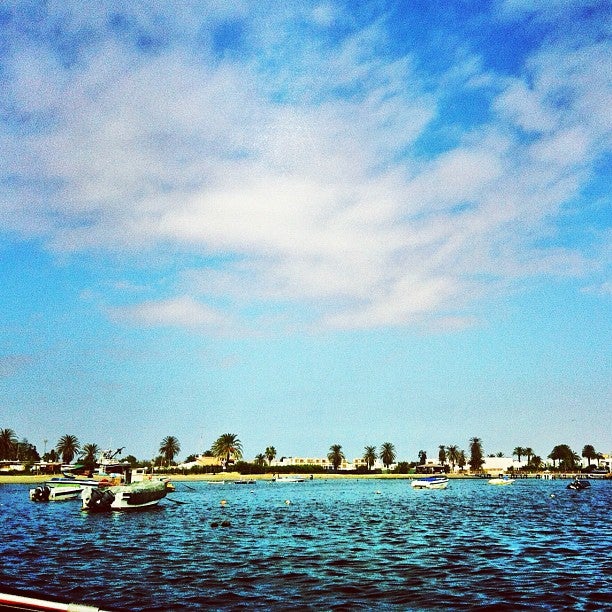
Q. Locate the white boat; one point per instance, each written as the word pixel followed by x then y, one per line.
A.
pixel 124 497
pixel 289 479
pixel 502 480
pixel 58 489
pixel 46 493
pixel 431 482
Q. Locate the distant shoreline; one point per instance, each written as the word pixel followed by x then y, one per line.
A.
pixel 232 476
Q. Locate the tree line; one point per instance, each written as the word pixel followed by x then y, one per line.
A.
pixel 228 449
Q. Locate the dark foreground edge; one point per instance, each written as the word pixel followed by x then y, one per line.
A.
pixel 11 599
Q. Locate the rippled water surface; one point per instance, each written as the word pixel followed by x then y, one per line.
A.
pixel 337 544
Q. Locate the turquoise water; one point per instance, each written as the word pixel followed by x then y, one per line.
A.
pixel 337 544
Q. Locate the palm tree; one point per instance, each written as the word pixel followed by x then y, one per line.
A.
pixel 422 457
pixel 519 451
pixel 270 454
pixel 565 455
pixel 589 452
pixel 387 454
pixel 8 443
pixel 369 456
pixel 535 462
pixel 555 455
pixel 528 453
pixel 462 461
pixel 89 457
pixel 335 456
pixel 452 453
pixel 476 456
pixel 169 448
pixel 227 447
pixel 68 446
pixel 260 460
pixel 442 454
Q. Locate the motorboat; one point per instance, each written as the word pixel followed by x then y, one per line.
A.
pixel 579 484
pixel 431 482
pixel 288 479
pixel 46 493
pixel 501 480
pixel 58 489
pixel 124 497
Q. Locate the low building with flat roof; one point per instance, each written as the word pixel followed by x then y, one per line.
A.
pixel 325 463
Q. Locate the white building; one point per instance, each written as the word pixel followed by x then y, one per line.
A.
pixel 325 463
pixel 501 464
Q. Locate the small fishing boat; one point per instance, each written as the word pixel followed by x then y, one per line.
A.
pixel 124 497
pixel 431 482
pixel 502 480
pixel 579 484
pixel 58 489
pixel 289 479
pixel 45 493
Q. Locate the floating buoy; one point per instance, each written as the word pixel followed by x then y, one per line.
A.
pixel 223 502
pixel 553 495
pixel 377 492
pixel 287 502
pixel 214 524
pixel 225 524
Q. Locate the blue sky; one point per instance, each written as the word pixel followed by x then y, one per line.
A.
pixel 306 223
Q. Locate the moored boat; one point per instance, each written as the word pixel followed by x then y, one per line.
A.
pixel 124 497
pixel 579 484
pixel 289 479
pixel 431 482
pixel 58 489
pixel 502 480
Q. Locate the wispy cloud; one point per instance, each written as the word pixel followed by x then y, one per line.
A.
pixel 301 173
pixel 178 312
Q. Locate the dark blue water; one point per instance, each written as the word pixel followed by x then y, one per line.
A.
pixel 338 544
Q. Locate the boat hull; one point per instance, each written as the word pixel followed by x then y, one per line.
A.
pixel 579 485
pixel 430 483
pixel 500 481
pixel 124 497
pixel 58 489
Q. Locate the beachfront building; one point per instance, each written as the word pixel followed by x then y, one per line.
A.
pixel 11 466
pixel 431 467
pixel 325 463
pixel 203 461
pixel 494 465
pixel 603 462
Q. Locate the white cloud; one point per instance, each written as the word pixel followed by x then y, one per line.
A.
pixel 602 289
pixel 313 195
pixel 524 107
pixel 178 312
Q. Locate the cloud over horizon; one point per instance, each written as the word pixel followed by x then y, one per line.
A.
pixel 317 193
